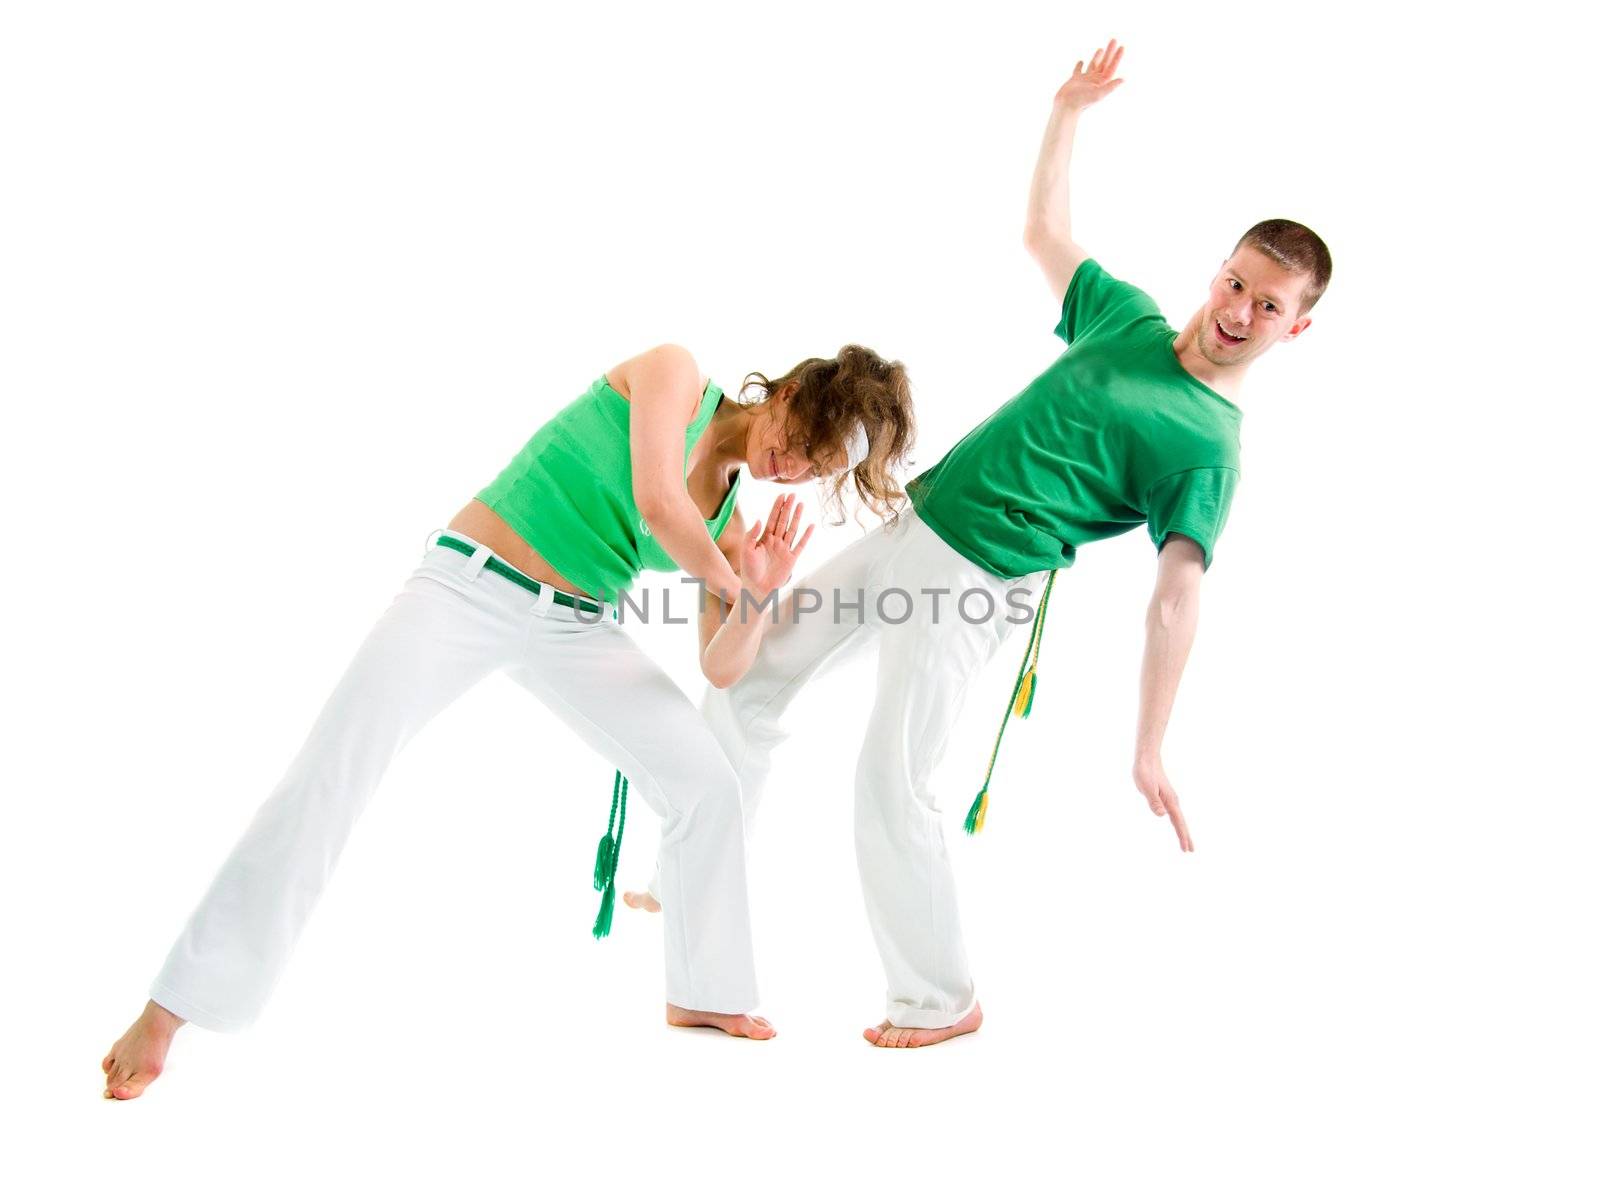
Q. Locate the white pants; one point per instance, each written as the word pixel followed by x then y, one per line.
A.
pixel 452 625
pixel 925 665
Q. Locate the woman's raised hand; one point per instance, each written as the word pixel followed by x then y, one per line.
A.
pixel 1096 83
pixel 771 548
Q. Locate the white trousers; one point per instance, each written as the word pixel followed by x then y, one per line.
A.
pixel 450 626
pixel 925 665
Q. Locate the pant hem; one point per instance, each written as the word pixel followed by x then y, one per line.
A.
pixel 716 1006
pixel 191 1013
pixel 923 1017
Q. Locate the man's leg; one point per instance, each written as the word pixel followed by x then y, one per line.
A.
pixel 924 670
pixel 809 638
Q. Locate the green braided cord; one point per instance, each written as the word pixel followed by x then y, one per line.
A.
pixel 1044 602
pixel 1038 644
pixel 1034 638
pixel 622 820
pixel 607 855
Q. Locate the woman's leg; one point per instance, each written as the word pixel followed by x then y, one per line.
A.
pixel 622 704
pixel 432 643
pixel 450 626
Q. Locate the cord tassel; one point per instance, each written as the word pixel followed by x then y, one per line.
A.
pixel 605 861
pixel 608 902
pixel 979 811
pixel 1024 703
pixel 608 854
pixel 1023 694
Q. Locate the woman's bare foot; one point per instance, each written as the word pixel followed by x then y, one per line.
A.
pixel 641 900
pixel 886 1035
pixel 136 1060
pixel 751 1026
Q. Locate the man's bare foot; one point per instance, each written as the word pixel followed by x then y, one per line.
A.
pixel 641 900
pixel 751 1026
pixel 136 1060
pixel 886 1035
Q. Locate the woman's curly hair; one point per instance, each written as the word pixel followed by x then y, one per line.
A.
pixel 828 398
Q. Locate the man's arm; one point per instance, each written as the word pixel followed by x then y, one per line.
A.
pixel 1169 627
pixel 1048 233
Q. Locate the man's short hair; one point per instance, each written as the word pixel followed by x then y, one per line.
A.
pixel 1295 248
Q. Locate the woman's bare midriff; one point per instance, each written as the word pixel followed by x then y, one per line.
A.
pixel 477 521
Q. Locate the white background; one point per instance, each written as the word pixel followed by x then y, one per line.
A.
pixel 283 285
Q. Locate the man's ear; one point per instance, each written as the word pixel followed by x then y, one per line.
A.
pixel 1300 326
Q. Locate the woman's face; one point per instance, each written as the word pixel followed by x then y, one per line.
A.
pixel 773 455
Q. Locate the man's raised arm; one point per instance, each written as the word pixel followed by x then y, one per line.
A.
pixel 1048 234
pixel 1169 628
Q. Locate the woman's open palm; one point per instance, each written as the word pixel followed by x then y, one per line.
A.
pixel 771 548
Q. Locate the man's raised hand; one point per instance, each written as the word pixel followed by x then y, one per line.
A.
pixel 1097 82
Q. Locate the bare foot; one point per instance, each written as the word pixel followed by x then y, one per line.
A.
pixel 136 1060
pixel 886 1035
pixel 641 900
pixel 751 1026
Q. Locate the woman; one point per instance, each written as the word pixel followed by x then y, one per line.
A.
pixel 641 471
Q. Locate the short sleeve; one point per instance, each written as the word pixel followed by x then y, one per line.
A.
pixel 1193 503
pixel 1097 300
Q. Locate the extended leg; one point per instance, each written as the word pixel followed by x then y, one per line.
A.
pixel 428 648
pixel 808 638
pixel 433 642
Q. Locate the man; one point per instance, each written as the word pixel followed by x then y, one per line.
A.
pixel 1132 426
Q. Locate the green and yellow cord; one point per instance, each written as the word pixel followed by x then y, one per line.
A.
pixel 607 855
pixel 1023 694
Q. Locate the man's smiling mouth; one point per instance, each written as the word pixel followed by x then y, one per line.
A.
pixel 1231 340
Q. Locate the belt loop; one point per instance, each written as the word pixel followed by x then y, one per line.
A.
pixel 543 600
pixel 480 557
pixel 427 542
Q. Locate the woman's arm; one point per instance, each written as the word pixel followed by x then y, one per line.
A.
pixel 730 636
pixel 663 390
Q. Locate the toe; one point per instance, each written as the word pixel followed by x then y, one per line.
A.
pixel 105 1066
pixel 132 1088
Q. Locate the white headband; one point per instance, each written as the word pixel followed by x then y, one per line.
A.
pixel 856 447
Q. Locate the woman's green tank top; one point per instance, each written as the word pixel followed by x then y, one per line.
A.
pixel 569 493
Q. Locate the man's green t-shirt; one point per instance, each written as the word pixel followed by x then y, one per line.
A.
pixel 1115 434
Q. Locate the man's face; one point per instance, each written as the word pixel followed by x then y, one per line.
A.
pixel 1254 303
